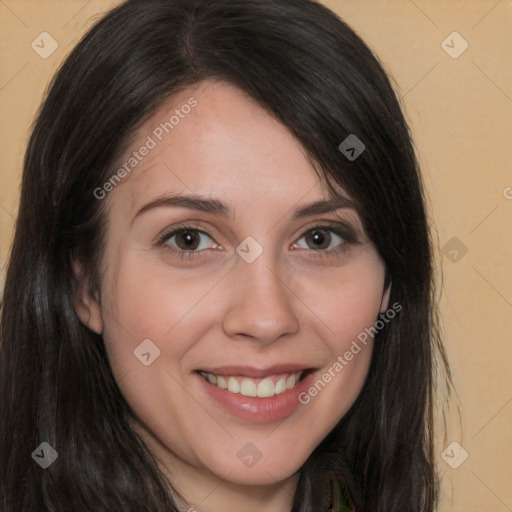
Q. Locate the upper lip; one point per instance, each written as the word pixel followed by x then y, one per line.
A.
pixel 256 372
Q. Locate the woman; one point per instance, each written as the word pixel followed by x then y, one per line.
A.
pixel 220 290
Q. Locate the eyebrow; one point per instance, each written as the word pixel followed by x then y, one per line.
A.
pixel 218 207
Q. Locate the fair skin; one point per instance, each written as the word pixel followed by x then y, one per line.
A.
pixel 293 305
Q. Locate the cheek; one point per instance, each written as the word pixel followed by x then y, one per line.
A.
pixel 145 301
pixel 151 324
pixel 345 301
pixel 345 315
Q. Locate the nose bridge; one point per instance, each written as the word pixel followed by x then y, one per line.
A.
pixel 261 304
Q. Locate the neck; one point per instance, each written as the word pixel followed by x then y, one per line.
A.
pixel 205 492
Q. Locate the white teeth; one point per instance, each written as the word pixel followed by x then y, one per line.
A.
pixel 280 387
pixel 264 388
pixel 248 388
pixel 233 385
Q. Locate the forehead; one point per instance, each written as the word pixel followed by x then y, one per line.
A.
pixel 212 139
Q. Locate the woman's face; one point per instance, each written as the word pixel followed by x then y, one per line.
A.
pixel 225 261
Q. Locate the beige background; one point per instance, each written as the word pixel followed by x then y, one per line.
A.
pixel 460 114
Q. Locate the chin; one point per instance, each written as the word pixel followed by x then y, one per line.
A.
pixel 262 469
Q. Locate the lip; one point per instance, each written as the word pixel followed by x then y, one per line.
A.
pixel 257 410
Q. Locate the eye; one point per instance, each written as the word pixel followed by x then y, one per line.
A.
pixel 322 238
pixel 187 239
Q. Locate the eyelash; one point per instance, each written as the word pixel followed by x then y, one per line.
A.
pixel 347 235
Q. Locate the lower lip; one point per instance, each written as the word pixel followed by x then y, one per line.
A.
pixel 258 410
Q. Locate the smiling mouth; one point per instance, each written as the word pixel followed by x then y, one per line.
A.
pixel 260 387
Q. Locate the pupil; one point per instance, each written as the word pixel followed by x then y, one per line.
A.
pixel 189 238
pixel 320 240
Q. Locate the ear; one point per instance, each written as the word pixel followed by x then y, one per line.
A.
pixel 384 303
pixel 86 301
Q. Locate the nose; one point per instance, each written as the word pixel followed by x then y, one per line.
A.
pixel 260 304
